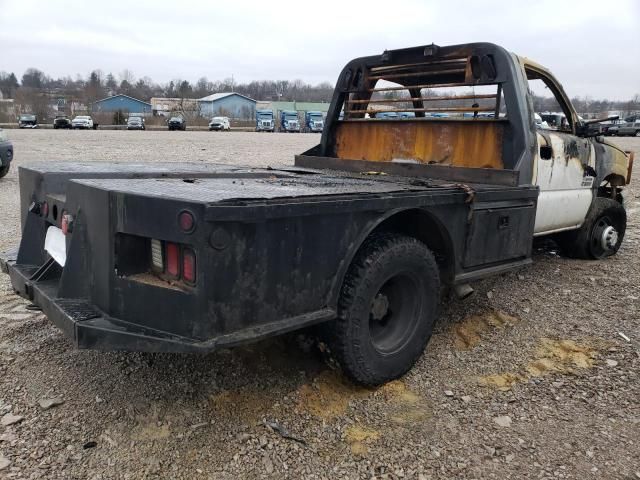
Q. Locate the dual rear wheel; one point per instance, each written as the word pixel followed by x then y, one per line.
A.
pixel 387 309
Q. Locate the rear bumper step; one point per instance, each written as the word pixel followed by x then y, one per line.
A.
pixel 90 328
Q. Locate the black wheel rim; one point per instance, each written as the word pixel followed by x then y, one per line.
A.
pixel 394 313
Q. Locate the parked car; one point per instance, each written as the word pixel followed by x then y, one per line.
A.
pixel 219 123
pixel 135 123
pixel 82 121
pixel 62 121
pixel 28 120
pixel 177 123
pixel 6 153
pixel 613 126
pixel 629 129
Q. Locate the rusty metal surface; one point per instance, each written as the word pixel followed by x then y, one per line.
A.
pixel 463 144
pixel 426 174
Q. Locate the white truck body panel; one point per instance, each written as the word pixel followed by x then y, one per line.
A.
pixel 565 193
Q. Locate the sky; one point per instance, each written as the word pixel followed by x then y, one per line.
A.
pixel 593 50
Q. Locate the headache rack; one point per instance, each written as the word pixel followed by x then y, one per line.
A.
pixel 424 88
pixel 457 106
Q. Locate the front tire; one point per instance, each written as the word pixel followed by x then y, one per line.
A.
pixel 601 233
pixel 387 309
pixel 4 170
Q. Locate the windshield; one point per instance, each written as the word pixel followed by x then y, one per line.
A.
pixel 265 116
pixel 175 119
pixel 27 117
pixel 290 116
pixel 315 117
pixel 217 119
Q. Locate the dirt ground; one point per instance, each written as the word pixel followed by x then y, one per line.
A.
pixel 532 377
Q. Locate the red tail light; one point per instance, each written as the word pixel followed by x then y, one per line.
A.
pixel 67 223
pixel 189 265
pixel 173 259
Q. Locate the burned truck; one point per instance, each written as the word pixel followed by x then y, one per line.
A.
pixel 359 235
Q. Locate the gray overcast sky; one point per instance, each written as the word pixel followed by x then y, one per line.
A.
pixel 594 50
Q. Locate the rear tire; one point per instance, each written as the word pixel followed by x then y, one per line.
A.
pixel 601 233
pixel 387 309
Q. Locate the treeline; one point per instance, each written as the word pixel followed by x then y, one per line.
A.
pixel 98 85
pixel 38 91
pixel 588 105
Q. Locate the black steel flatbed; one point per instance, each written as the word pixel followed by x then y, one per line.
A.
pixel 273 245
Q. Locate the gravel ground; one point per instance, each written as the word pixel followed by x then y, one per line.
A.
pixel 529 378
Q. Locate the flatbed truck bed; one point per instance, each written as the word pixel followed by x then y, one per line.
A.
pixel 284 207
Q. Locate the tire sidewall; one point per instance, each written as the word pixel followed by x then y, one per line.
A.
pixel 411 259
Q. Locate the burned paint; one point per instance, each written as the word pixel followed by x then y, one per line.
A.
pixel 611 164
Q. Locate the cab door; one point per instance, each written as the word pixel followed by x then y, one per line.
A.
pixel 563 162
pixel 561 171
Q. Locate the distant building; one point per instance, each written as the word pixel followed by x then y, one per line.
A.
pixel 122 103
pixel 161 106
pixel 78 108
pixel 232 105
pixel 300 107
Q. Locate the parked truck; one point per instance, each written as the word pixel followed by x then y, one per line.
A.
pixel 265 121
pixel 359 236
pixel 313 122
pixel 289 122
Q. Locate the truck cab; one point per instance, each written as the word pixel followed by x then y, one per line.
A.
pixel 289 122
pixel 490 123
pixel 264 121
pixel 314 122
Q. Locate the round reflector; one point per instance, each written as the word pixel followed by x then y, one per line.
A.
pixel 186 221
